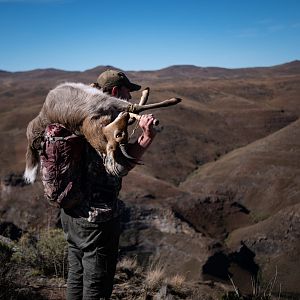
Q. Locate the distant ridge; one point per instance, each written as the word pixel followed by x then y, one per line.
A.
pixel 98 70
pixel 292 67
pixel 187 71
pixel 4 72
pixel 168 74
pixel 188 67
pixel 292 63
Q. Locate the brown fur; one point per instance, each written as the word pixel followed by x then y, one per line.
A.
pixel 89 111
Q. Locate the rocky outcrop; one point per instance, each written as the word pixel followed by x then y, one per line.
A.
pixel 157 232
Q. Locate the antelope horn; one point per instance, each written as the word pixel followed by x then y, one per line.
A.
pixel 145 95
pixel 123 150
pixel 144 99
pixel 169 102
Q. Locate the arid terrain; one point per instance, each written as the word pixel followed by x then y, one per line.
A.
pixel 219 190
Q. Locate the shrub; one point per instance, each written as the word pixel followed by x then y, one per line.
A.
pixel 11 286
pixel 47 253
pixel 6 253
pixel 26 252
pixel 52 252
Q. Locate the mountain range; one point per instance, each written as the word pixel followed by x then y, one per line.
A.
pixel 219 188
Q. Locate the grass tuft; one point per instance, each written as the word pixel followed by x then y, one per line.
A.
pixel 128 263
pixel 154 275
pixel 176 282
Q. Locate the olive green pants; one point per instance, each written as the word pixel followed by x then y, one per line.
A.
pixel 92 257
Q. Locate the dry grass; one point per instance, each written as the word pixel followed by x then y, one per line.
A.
pixel 154 275
pixel 259 292
pixel 128 263
pixel 176 282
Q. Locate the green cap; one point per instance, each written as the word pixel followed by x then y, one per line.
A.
pixel 111 78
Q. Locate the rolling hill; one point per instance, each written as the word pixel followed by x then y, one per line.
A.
pixel 222 175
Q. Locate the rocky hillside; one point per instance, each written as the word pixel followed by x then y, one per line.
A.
pixel 219 189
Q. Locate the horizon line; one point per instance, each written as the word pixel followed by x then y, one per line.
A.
pixel 148 70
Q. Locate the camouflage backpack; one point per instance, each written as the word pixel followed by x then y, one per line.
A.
pixel 61 166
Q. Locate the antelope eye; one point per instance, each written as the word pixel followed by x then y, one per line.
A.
pixel 119 134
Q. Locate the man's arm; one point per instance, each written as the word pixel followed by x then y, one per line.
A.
pixel 137 149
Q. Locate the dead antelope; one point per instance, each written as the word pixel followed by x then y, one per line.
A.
pixel 100 118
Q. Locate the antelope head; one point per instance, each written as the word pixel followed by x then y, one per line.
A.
pixel 110 138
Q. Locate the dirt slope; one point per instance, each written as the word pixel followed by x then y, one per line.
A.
pixel 252 194
pixel 223 169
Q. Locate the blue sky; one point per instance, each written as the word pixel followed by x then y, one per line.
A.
pixel 147 35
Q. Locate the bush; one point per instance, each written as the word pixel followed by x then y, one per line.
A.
pixel 11 287
pixel 52 252
pixel 46 253
pixel 26 252
pixel 6 253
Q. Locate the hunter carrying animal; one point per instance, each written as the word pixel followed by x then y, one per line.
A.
pixel 84 128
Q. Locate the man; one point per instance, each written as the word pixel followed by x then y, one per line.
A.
pixel 92 229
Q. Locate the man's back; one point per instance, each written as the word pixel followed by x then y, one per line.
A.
pixel 100 190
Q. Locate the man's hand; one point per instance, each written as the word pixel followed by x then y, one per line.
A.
pixel 146 124
pixel 140 146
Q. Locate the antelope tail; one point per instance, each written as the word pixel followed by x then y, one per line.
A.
pixel 32 164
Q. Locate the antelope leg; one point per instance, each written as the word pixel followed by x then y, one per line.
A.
pixel 138 117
